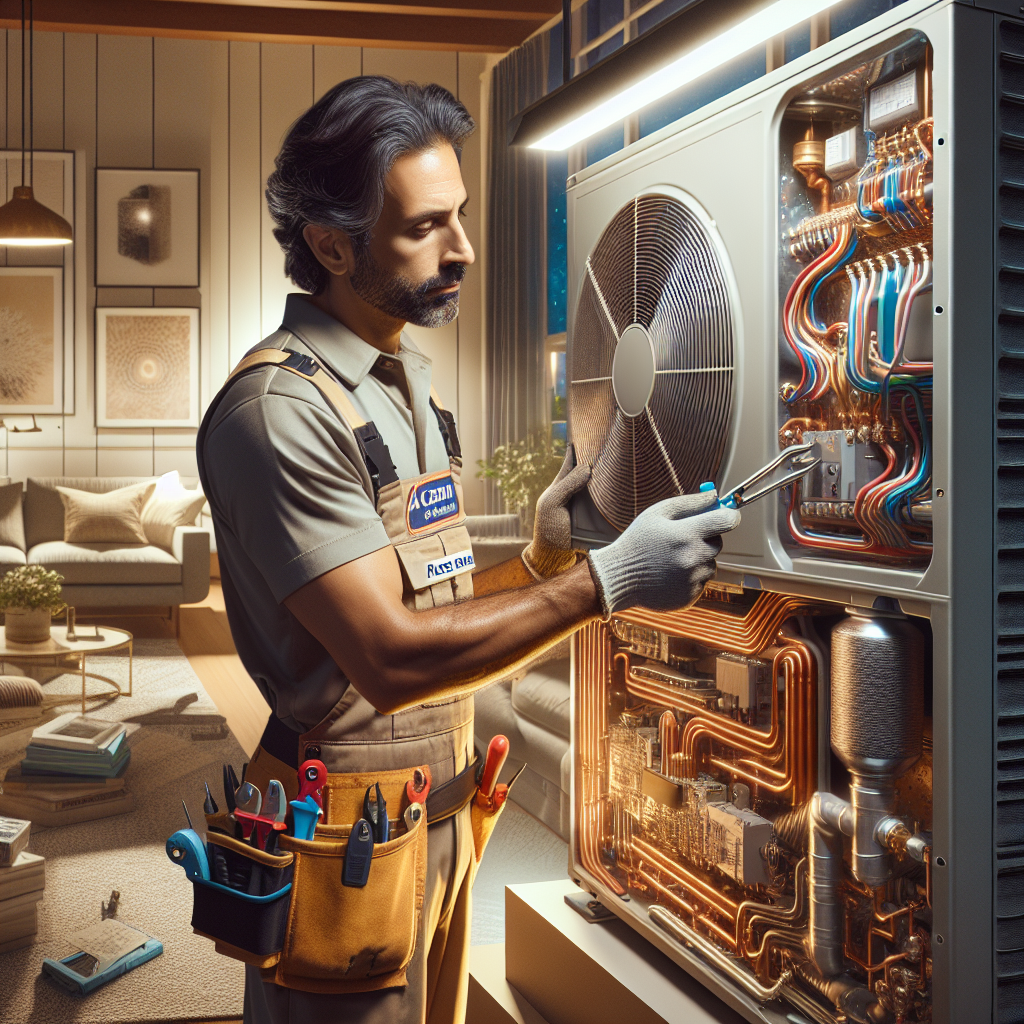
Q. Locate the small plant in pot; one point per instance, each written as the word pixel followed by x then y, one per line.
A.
pixel 29 596
pixel 523 469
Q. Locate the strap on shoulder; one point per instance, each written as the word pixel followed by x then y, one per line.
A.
pixel 371 445
pixel 309 369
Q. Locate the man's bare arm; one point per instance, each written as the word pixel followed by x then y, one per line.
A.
pixel 397 658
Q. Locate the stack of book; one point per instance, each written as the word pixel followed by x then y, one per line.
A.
pixel 73 770
pixel 21 885
pixel 21 888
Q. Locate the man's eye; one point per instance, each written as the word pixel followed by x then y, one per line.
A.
pixel 422 230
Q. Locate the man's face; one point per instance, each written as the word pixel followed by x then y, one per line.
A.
pixel 418 252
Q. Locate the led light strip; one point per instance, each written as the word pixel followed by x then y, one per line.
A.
pixel 775 19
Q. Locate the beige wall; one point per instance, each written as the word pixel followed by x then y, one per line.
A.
pixel 124 101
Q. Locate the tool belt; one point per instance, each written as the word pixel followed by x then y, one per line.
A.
pixel 290 914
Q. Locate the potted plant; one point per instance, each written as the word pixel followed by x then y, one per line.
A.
pixel 29 596
pixel 523 469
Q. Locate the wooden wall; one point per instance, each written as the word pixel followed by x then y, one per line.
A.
pixel 127 101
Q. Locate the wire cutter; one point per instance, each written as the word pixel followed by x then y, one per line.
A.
pixel 738 497
pixel 375 811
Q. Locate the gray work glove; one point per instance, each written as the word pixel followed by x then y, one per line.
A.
pixel 665 556
pixel 550 552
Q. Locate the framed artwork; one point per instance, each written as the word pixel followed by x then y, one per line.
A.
pixel 56 181
pixel 147 228
pixel 147 367
pixel 31 340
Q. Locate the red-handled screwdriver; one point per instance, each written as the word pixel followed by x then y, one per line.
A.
pixel 497 752
pixel 312 776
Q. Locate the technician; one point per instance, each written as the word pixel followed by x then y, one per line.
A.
pixel 333 478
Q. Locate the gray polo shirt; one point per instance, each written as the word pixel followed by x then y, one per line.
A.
pixel 291 497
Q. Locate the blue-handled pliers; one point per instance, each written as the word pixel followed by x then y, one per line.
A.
pixel 737 497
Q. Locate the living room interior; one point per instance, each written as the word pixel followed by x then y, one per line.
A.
pixel 148 130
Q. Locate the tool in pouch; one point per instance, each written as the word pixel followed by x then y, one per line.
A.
pixel 490 795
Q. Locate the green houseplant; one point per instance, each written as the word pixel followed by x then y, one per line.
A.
pixel 523 469
pixel 29 596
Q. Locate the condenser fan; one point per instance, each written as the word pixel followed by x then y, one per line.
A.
pixel 651 358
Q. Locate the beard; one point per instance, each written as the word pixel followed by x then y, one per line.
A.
pixel 403 299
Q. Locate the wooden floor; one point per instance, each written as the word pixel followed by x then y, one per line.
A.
pixel 206 641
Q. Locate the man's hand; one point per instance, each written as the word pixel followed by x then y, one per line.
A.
pixel 666 555
pixel 550 552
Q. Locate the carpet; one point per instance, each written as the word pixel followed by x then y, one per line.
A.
pixel 182 740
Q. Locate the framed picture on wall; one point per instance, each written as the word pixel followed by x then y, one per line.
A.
pixel 31 340
pixel 55 180
pixel 147 366
pixel 147 228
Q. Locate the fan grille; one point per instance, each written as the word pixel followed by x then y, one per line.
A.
pixel 655 266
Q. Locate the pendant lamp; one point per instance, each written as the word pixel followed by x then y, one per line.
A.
pixel 24 220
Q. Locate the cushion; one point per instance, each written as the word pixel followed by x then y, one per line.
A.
pixel 542 697
pixel 12 523
pixel 44 509
pixel 111 518
pixel 170 505
pixel 107 563
pixel 10 558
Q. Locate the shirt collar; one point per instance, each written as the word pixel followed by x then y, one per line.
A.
pixel 342 351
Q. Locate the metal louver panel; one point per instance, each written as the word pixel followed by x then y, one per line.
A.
pixel 655 276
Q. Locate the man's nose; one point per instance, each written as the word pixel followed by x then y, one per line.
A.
pixel 461 250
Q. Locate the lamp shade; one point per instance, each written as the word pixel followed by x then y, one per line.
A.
pixel 25 221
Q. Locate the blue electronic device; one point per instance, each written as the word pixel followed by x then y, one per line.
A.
pixel 78 973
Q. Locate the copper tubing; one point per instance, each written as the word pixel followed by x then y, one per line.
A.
pixel 695 914
pixel 751 913
pixel 797 746
pixel 717 900
pixel 668 734
pixel 747 634
pixel 592 650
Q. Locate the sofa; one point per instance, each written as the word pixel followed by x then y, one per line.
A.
pixel 108 575
pixel 531 708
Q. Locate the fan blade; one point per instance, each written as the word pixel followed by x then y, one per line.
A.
pixel 593 344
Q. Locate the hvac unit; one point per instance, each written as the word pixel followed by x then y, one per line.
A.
pixel 808 789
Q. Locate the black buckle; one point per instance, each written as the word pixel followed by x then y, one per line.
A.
pixel 306 365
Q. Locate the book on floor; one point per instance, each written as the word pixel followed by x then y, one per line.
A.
pixel 73 731
pixel 19 943
pixel 54 785
pixel 17 906
pixel 120 802
pixel 105 763
pixel 26 874
pixel 14 833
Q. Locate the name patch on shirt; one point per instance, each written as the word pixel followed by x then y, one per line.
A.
pixel 432 503
pixel 440 569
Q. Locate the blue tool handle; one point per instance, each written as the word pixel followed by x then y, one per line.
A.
pixel 186 849
pixel 729 502
pixel 305 814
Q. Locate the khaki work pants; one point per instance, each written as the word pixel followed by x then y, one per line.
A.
pixel 439 973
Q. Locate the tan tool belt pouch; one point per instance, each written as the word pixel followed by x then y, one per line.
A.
pixel 344 939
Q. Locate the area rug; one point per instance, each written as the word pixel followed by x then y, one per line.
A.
pixel 182 741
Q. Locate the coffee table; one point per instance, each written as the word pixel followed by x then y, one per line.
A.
pixel 58 649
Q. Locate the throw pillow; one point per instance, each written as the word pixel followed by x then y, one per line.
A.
pixel 12 522
pixel 171 505
pixel 114 517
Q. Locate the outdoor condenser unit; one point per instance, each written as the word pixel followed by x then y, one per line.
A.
pixel 808 789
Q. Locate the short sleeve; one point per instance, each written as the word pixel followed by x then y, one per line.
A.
pixel 285 477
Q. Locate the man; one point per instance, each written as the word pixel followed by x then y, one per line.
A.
pixel 346 581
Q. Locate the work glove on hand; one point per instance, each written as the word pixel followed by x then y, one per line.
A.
pixel 550 552
pixel 665 556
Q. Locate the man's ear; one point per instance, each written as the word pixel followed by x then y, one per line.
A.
pixel 332 247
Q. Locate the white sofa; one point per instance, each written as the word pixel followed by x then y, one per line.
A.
pixel 108 575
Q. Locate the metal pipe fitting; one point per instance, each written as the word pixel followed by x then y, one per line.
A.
pixel 829 816
pixel 733 969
